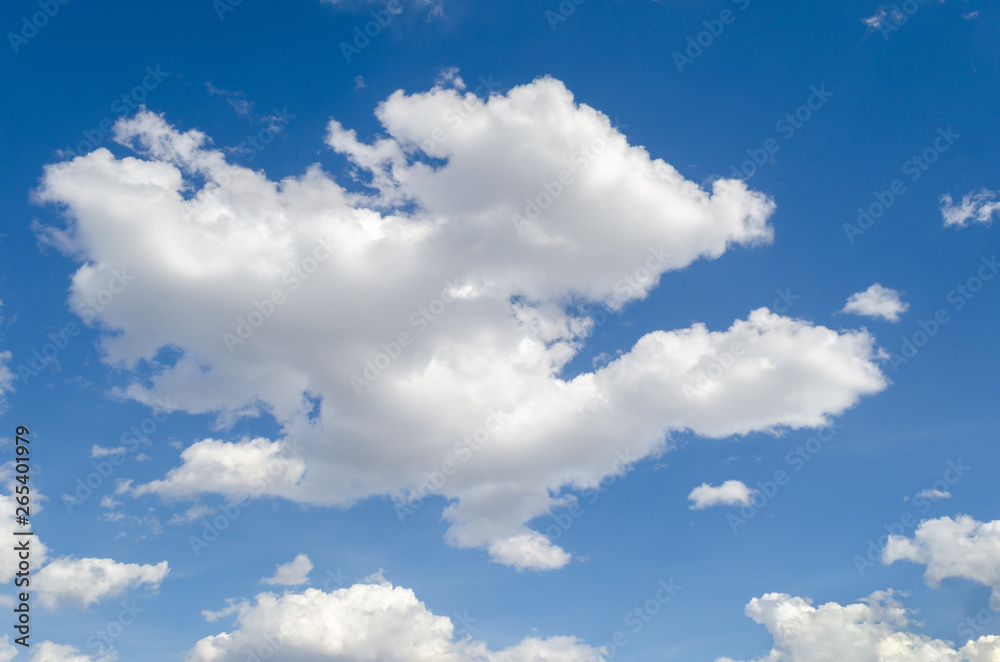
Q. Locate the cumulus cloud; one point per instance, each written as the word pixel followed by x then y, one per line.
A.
pixel 364 622
pixel 873 630
pixel 877 301
pixel 412 335
pixel 82 582
pixel 249 466
pixel 293 573
pixel 730 493
pixel 960 547
pixel 978 207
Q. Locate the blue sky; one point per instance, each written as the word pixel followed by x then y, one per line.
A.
pixel 621 246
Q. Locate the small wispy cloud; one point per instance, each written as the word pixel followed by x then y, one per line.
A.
pixel 101 451
pixel 933 495
pixel 237 100
pixel 978 207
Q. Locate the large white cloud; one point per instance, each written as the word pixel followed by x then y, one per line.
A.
pixel 367 621
pixel 873 630
pixel 438 306
pixel 959 547
pixel 82 582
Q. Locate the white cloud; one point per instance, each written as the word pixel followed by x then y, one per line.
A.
pixel 236 100
pixel 960 547
pixel 877 301
pixel 82 582
pixel 193 513
pixel 934 495
pixel 7 651
pixel 874 630
pixel 230 468
pixel 293 573
pixel 361 623
pixel 489 306
pixel 978 207
pixel 47 651
pixel 882 16
pixel 107 501
pixel 730 493
pixel 100 451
